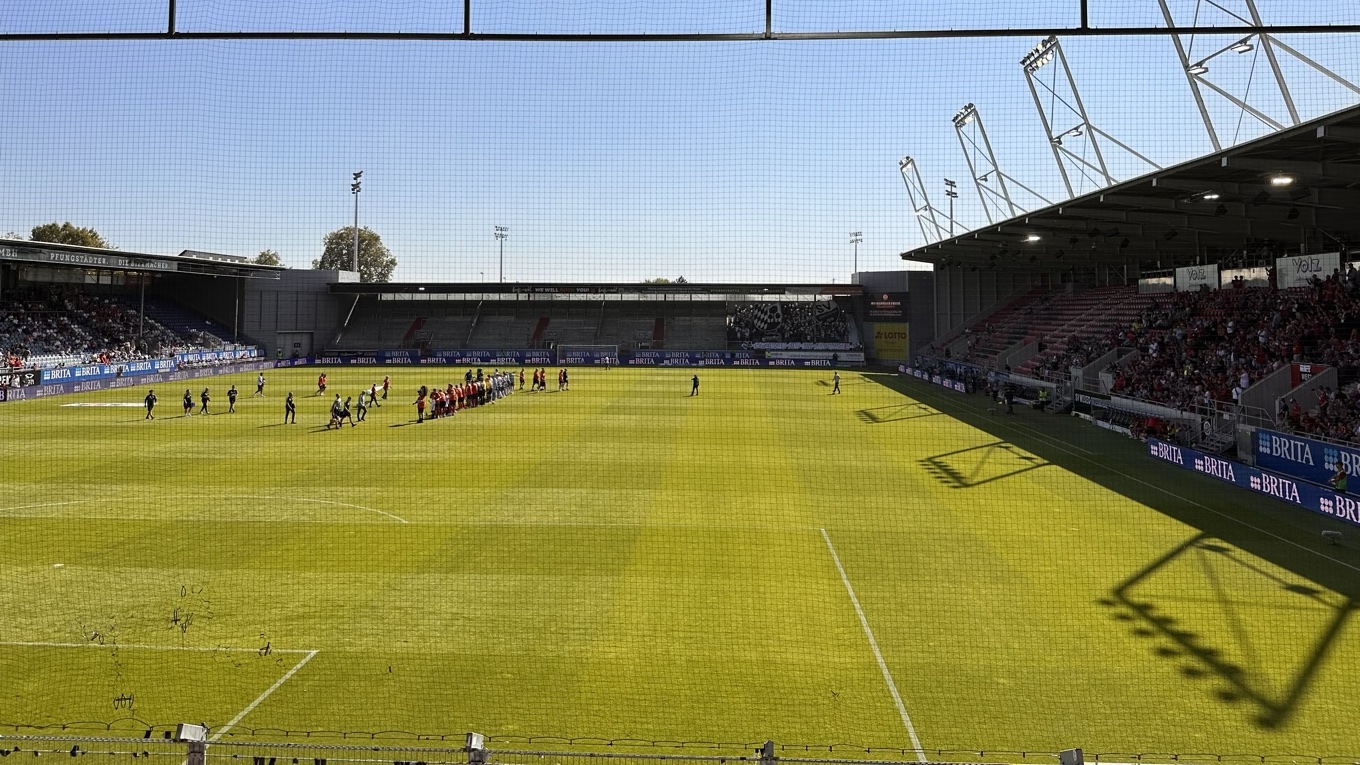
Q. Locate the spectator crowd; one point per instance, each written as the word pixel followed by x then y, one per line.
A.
pixel 54 326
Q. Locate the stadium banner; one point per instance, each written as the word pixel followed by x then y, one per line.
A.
pixel 591 357
pixel 890 341
pixel 1302 373
pixel 937 379
pixel 87 384
pixel 81 372
pixel 1191 278
pixel 1300 494
pixel 886 306
pixel 578 356
pixel 1304 458
pixel 1297 270
pixel 20 378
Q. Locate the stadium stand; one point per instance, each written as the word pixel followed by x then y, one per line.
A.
pixel 49 327
pixel 821 321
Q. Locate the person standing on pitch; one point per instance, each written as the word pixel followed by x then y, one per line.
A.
pixel 694 391
pixel 289 410
pixel 150 401
pixel 835 383
pixel 188 403
pixel 231 399
pixel 387 383
pixel 363 405
pixel 259 386
pixel 205 398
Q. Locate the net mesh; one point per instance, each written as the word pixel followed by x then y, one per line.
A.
pixel 649 554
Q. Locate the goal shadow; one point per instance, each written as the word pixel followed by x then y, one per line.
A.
pixel 1204 603
pixel 895 413
pixel 978 465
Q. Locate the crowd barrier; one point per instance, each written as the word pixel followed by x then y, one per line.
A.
pixel 1301 457
pixel 43 390
pixel 1312 497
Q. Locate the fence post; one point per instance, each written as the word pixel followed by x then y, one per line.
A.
pixel 766 753
pixel 476 749
pixel 196 739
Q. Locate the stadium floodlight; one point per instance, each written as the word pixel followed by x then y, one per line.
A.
pixel 1033 238
pixel 501 233
pixel 1281 180
pixel 965 115
pixel 1210 195
pixel 1041 55
pixel 855 238
pixel 355 188
pixel 1197 69
pixel 951 190
pixel 1241 46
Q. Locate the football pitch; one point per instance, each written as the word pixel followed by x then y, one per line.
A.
pixel 625 561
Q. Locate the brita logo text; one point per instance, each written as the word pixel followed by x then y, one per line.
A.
pixel 1280 488
pixel 1221 469
pixel 1341 506
pixel 1288 449
pixel 1166 452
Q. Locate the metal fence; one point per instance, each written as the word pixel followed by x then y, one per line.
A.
pixel 158 746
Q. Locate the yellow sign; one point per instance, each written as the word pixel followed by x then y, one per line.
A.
pixel 890 341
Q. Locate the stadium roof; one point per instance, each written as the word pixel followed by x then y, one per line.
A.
pixel 603 288
pixel 1299 186
pixel 187 262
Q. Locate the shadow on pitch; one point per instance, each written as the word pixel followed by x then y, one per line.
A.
pixel 978 465
pixel 895 413
pixel 1235 530
pixel 1203 568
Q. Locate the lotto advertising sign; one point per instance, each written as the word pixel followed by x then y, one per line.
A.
pixel 1303 458
pixel 890 341
pixel 1298 270
pixel 1298 493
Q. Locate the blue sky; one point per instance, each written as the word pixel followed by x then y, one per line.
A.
pixel 718 161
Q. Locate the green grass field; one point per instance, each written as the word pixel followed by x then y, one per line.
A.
pixel 624 561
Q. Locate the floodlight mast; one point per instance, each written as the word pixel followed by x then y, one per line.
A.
pixel 968 120
pixel 1197 68
pixel 982 165
pixel 920 201
pixel 1046 52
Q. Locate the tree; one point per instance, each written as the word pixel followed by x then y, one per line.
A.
pixel 664 280
pixel 376 264
pixel 268 258
pixel 65 233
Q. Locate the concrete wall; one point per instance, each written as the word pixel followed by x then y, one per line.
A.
pixel 299 303
pixel 961 295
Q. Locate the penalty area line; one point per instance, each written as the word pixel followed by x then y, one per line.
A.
pixel 878 655
pixel 251 707
pixel 331 502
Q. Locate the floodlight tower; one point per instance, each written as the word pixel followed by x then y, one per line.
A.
pixel 977 151
pixel 920 201
pixel 968 126
pixel 1065 119
pixel 1197 67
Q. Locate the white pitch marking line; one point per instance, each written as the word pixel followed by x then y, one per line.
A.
pixel 331 502
pixel 878 655
pixel 142 647
pixel 263 696
pixel 44 504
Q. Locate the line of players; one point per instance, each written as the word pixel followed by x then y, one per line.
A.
pixel 475 391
